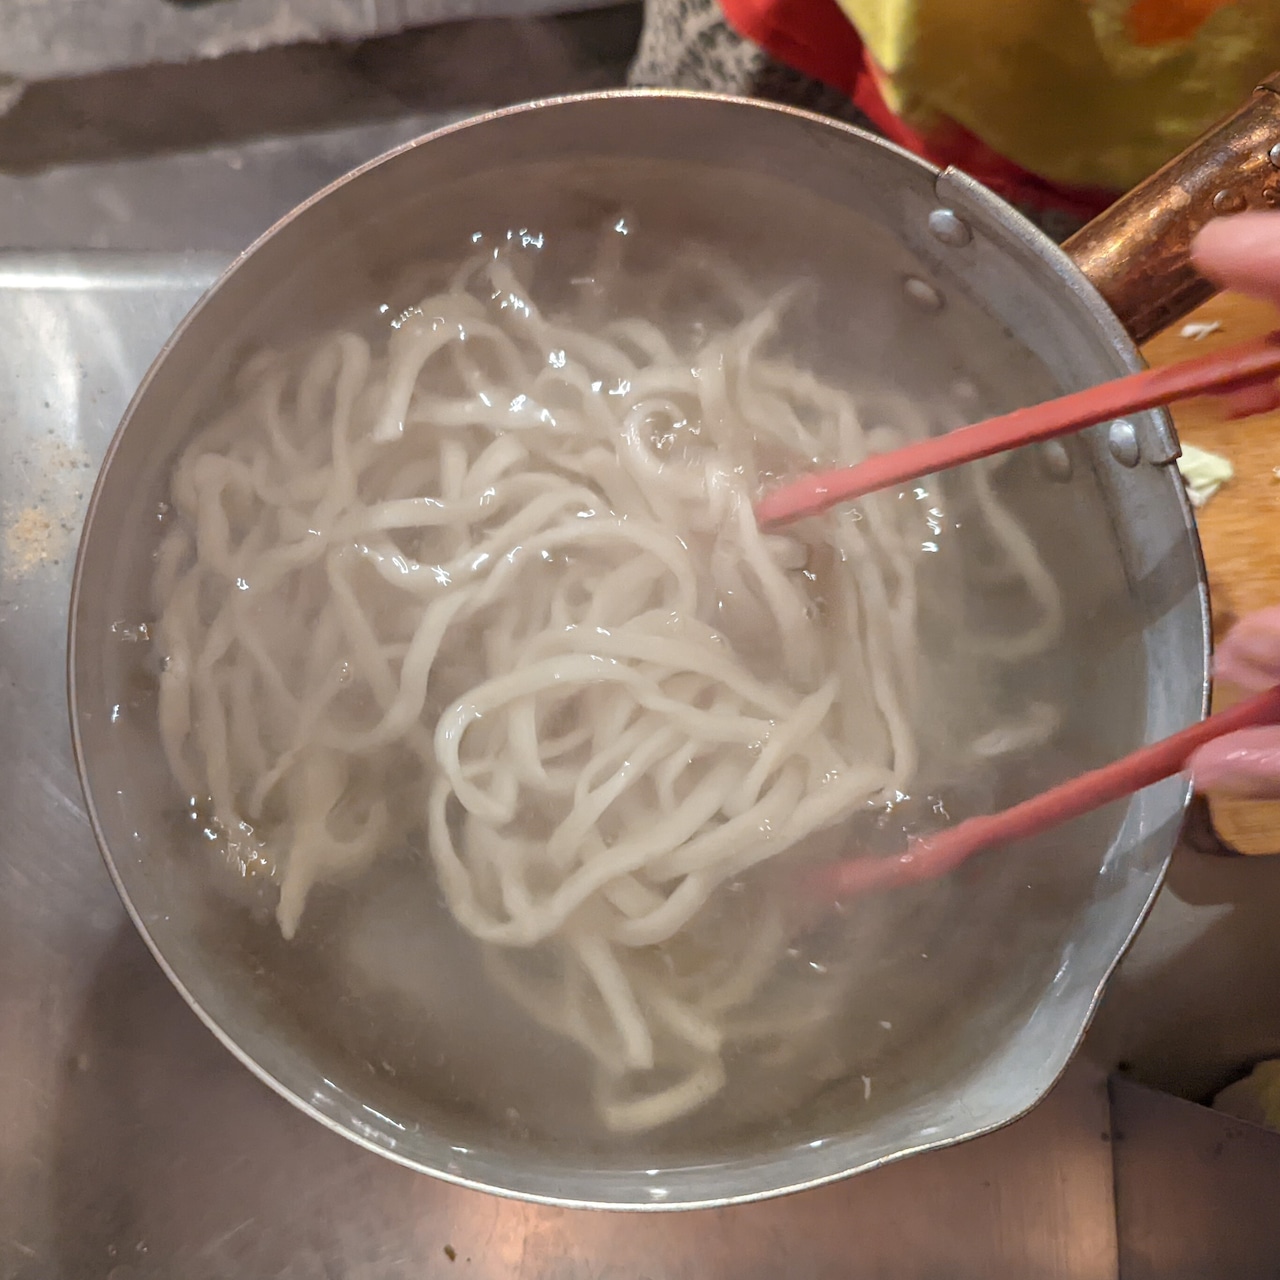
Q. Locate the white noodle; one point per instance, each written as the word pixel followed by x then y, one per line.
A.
pixel 501 582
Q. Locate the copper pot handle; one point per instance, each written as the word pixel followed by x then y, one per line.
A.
pixel 1138 253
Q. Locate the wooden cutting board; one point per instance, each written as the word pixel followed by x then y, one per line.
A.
pixel 1240 525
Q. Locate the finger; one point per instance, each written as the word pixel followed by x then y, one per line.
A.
pixel 1243 674
pixel 1244 764
pixel 1260 398
pixel 1242 252
pixel 1250 655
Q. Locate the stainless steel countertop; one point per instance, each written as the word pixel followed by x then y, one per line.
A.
pixel 41 39
pixel 1195 1190
pixel 133 1146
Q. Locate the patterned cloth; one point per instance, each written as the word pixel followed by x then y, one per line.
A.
pixel 1084 94
pixel 687 44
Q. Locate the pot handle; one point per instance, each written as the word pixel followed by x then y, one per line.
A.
pixel 1138 252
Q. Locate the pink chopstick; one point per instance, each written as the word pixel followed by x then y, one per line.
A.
pixel 1231 369
pixel 928 857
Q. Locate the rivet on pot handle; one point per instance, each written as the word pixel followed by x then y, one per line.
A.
pixel 1138 253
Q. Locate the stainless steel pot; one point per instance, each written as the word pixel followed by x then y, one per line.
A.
pixel 940 284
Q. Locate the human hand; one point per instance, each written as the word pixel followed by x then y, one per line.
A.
pixel 1242 253
pixel 1245 763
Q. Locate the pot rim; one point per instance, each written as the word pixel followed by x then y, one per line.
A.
pixel 776 1162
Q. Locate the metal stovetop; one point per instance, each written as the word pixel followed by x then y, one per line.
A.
pixel 132 1145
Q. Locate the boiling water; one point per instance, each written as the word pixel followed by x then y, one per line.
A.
pixel 394 996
